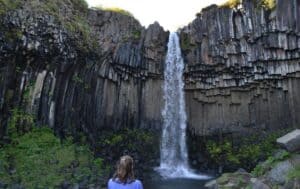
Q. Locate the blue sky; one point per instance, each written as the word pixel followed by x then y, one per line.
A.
pixel 171 14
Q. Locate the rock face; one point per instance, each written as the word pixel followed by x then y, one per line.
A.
pixel 48 71
pixel 290 141
pixel 243 68
pixel 242 71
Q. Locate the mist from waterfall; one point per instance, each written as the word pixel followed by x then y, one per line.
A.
pixel 173 152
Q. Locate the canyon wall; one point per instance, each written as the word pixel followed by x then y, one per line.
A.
pixel 243 68
pixel 107 78
pixel 85 70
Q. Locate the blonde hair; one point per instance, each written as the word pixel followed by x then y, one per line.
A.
pixel 124 170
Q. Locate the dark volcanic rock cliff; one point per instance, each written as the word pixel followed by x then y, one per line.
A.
pixel 104 73
pixel 243 68
pixel 81 69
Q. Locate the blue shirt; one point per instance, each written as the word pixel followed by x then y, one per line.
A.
pixel 114 184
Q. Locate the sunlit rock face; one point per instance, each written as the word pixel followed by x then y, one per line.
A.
pixel 243 68
pixel 48 71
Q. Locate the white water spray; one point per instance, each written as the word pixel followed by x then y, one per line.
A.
pixel 174 158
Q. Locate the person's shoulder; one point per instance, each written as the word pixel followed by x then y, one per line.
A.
pixel 110 181
pixel 138 182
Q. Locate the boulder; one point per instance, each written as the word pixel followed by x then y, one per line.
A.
pixel 212 184
pixel 279 173
pixel 290 141
pixel 294 183
pixel 258 184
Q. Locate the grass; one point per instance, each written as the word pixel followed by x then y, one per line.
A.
pixel 38 159
pixel 262 168
pixel 294 173
pixel 115 9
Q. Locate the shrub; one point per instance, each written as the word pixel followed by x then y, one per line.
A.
pixel 19 123
pixel 39 160
pixel 245 154
pixel 128 141
pixel 262 168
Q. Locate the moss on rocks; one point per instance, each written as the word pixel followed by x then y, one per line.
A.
pixel 74 20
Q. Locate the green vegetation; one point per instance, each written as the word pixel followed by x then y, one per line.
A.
pixel 231 3
pixel 75 20
pixel 236 180
pixel 185 42
pixel 132 141
pixel 7 5
pixel 268 4
pixel 294 174
pixel 246 154
pixel 39 160
pixel 136 34
pixel 262 168
pixel 115 9
pixel 77 79
pixel 19 123
pixel 36 158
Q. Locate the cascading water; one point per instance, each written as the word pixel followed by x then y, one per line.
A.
pixel 174 158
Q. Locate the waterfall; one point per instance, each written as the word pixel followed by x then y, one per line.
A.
pixel 174 158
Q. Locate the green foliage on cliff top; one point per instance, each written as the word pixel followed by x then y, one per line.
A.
pixel 74 20
pixel 7 5
pixel 115 9
pixel 231 3
pixel 268 4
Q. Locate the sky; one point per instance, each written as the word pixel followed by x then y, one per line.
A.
pixel 171 14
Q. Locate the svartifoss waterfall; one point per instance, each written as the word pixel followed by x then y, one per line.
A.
pixel 174 158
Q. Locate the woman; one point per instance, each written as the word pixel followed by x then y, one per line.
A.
pixel 124 176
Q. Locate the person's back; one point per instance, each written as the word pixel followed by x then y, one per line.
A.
pixel 116 184
pixel 124 176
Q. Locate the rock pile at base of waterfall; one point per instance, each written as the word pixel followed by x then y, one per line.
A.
pixel 282 170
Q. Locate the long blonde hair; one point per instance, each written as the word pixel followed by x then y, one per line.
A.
pixel 124 170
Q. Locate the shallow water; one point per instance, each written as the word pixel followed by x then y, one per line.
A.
pixel 175 184
pixel 155 181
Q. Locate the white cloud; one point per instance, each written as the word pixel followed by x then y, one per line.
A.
pixel 169 13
